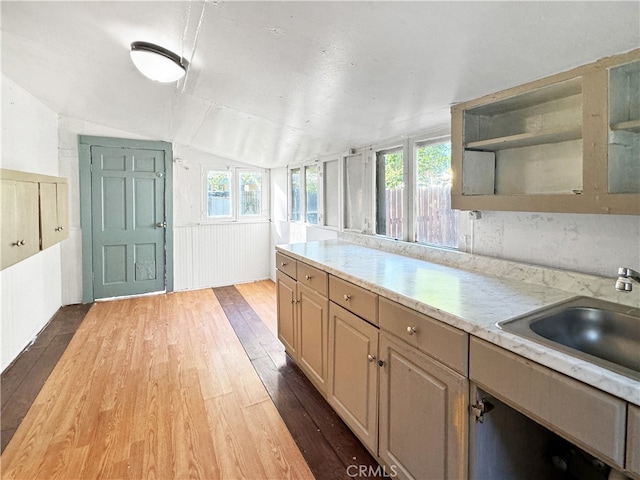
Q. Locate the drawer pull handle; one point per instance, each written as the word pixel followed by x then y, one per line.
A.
pixel 282 264
pixel 371 358
pixel 347 297
pixel 411 330
pixel 308 277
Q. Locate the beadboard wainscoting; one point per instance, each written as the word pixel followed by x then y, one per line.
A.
pixel 212 255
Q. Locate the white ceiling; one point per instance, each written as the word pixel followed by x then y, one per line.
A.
pixel 274 83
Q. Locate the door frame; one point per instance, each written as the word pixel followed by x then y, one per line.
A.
pixel 85 142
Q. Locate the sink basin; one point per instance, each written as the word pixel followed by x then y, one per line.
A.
pixel 604 333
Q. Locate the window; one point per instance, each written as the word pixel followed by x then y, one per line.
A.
pixel 331 194
pixel 219 194
pixel 250 193
pixel 354 172
pixel 435 222
pixel 233 193
pixel 296 193
pixel 311 193
pixel 389 193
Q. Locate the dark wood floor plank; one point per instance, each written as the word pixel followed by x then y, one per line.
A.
pixel 326 442
pixel 24 378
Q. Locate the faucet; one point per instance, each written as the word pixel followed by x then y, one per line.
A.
pixel 625 276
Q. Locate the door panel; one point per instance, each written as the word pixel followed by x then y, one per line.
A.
pixel 314 335
pixel 353 373
pixel 128 221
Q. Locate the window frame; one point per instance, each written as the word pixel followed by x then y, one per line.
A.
pixel 417 143
pixel 234 194
pixel 375 160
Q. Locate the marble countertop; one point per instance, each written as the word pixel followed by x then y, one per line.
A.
pixel 469 300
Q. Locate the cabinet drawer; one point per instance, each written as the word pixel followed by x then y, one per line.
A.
pixel 313 277
pixel 355 299
pixel 286 265
pixel 586 416
pixel 445 343
pixel 633 440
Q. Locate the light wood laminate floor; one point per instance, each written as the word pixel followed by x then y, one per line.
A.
pixel 154 387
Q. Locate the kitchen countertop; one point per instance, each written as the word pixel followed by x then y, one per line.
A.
pixel 468 300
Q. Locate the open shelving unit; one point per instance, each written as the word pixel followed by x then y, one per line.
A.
pixel 566 143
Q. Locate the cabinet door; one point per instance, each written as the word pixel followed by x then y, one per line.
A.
pixel 423 414
pixel 20 228
pixel 54 216
pixel 353 373
pixel 313 334
pixel 633 440
pixel 287 303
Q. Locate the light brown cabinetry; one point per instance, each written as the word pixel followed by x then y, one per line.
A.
pixel 19 212
pixel 423 414
pixel 353 373
pixel 588 417
pixel 35 214
pixel 54 213
pixel 565 143
pixel 633 441
pixel 303 318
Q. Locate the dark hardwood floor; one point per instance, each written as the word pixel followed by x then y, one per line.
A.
pixel 327 444
pixel 22 380
pixel 329 447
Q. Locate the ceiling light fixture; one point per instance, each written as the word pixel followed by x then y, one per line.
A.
pixel 157 63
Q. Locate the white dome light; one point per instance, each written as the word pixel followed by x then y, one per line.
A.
pixel 157 63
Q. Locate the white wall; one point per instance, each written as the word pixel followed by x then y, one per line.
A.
pixel 30 291
pixel 212 254
pixel 594 244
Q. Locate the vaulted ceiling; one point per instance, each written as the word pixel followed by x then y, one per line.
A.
pixel 274 83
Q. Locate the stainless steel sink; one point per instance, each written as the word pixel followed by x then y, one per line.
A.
pixel 604 333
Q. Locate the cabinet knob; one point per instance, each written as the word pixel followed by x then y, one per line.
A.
pixel 19 243
pixel 371 358
pixel 381 363
pixel 282 264
pixel 295 300
pixel 308 277
pixel 347 297
pixel 411 330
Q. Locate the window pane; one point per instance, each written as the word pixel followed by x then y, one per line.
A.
pixel 436 223
pixel 331 193
pixel 250 193
pixel 311 193
pixel 218 193
pixel 389 193
pixel 296 199
pixel 354 192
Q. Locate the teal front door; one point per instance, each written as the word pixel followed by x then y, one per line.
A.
pixel 128 221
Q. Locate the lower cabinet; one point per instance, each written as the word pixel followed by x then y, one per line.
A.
pixel 406 407
pixel 353 373
pixel 303 327
pixel 423 414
